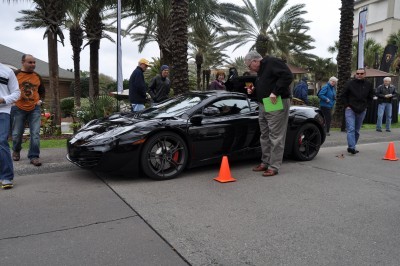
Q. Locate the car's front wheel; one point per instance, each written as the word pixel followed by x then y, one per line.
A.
pixel 164 156
pixel 307 142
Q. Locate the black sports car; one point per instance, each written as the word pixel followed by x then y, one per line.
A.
pixel 186 131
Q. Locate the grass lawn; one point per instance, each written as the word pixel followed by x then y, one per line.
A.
pixel 373 126
pixel 46 143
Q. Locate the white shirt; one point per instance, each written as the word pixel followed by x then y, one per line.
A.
pixel 9 88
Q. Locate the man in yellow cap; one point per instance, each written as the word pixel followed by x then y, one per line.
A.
pixel 138 87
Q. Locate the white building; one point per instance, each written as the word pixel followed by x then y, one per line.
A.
pixel 383 19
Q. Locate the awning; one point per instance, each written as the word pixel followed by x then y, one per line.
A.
pixel 371 72
pixel 296 70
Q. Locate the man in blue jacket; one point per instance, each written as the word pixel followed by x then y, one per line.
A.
pixel 138 87
pixel 301 90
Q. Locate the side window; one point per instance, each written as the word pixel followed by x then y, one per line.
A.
pixel 229 106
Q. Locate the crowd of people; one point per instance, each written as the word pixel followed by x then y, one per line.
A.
pixel 22 93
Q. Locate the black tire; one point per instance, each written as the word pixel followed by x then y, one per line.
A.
pixel 307 142
pixel 164 156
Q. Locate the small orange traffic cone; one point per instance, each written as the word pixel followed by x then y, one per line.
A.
pixel 390 153
pixel 224 172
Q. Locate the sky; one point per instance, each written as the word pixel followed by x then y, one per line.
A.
pixel 324 28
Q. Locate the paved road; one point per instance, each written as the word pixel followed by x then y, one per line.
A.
pixel 338 209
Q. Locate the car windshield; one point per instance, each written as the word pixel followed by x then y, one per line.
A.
pixel 174 107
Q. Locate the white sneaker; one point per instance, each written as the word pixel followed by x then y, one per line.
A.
pixel 6 184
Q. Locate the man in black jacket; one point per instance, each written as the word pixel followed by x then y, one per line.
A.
pixel 273 80
pixel 138 87
pixel 356 96
pixel 160 85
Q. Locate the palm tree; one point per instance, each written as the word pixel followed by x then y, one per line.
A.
pixel 394 39
pixel 371 49
pixel 50 15
pixel 272 29
pixel 206 49
pixel 95 31
pixel 75 14
pixel 156 20
pixel 345 52
pixel 323 69
pixel 179 25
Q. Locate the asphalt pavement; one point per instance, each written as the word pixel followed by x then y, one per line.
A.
pixel 338 209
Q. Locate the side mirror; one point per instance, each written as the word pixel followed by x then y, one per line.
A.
pixel 211 111
pixel 196 119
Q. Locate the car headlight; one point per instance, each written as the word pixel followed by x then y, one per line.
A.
pixel 109 136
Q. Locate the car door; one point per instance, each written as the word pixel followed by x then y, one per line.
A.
pixel 225 128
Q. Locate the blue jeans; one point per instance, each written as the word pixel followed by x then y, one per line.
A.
pixel 387 109
pixel 136 107
pixel 353 124
pixel 6 165
pixel 18 126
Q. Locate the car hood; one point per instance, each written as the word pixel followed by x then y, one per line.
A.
pixel 106 130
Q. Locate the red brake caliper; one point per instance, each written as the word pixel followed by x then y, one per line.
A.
pixel 175 157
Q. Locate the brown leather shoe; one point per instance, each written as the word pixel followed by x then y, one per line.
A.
pixel 270 172
pixel 36 162
pixel 260 168
pixel 16 156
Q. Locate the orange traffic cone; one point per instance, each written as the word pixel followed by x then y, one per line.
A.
pixel 224 172
pixel 390 153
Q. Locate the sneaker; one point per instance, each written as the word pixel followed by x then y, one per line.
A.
pixel 16 156
pixel 379 130
pixel 328 134
pixel 36 162
pixel 388 130
pixel 6 184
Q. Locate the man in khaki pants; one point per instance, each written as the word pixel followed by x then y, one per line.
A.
pixel 273 80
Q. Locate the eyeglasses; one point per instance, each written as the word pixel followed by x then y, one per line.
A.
pixel 360 73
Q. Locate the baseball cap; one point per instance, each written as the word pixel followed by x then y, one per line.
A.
pixel 144 61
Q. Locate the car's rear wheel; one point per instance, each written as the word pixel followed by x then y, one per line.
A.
pixel 164 156
pixel 307 142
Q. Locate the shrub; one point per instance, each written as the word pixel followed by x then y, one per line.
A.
pixel 67 106
pixel 101 107
pixel 313 101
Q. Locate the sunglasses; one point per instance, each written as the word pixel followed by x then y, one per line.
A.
pixel 360 73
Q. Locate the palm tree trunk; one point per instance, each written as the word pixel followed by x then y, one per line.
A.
pixel 94 69
pixel 180 16
pixel 53 77
pixel 345 52
pixel 76 35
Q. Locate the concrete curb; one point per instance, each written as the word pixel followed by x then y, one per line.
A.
pixel 54 159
